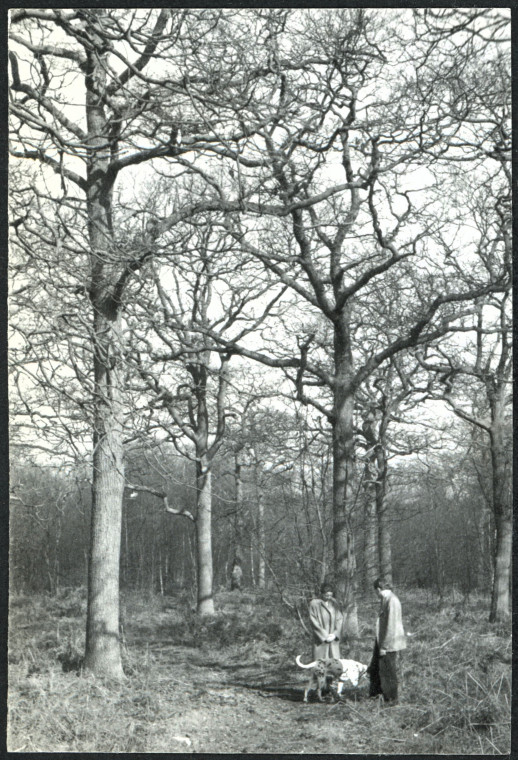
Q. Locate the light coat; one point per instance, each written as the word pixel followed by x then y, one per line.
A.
pixel 325 618
pixel 390 634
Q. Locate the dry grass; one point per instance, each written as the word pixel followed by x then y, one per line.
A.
pixel 229 684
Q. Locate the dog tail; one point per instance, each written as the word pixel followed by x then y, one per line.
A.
pixel 301 665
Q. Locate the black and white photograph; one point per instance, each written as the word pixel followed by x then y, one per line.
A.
pixel 260 380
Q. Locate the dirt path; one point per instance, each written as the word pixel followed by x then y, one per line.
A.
pixel 230 685
pixel 219 706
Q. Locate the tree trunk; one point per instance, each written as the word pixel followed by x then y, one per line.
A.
pixel 384 543
pixel 181 573
pixel 502 564
pixel 436 544
pixel 261 542
pixel 343 478
pixel 251 547
pixel 321 524
pixel 102 653
pixel 371 534
pixel 500 597
pixel 484 569
pixel 204 538
pixel 194 561
pixel 371 551
pixel 237 549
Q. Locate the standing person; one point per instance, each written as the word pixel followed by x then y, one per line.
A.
pixel 390 639
pixel 236 576
pixel 326 622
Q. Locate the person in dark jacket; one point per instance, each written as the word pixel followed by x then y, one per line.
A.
pixel 326 622
pixel 390 639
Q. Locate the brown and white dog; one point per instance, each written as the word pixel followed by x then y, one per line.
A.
pixel 345 672
pixel 317 681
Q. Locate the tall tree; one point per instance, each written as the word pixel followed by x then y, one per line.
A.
pixel 83 150
pixel 385 402
pixel 476 383
pixel 155 85
pixel 346 201
pixel 198 287
pixel 481 361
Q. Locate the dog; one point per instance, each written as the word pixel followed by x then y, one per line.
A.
pixel 317 681
pixel 324 672
pixel 352 673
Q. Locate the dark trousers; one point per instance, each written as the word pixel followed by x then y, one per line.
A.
pixel 383 674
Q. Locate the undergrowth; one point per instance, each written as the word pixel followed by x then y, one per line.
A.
pixel 455 676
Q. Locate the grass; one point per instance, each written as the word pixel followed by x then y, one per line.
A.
pixel 229 684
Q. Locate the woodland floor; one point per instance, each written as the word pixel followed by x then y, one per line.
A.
pixel 230 685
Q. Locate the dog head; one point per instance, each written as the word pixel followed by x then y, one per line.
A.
pixel 334 669
pixel 320 670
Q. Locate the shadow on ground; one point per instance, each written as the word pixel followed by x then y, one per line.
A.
pixel 287 693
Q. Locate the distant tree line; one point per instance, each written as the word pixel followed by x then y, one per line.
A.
pixel 441 527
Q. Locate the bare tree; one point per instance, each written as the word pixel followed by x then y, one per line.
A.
pixel 198 287
pixel 84 151
pixel 326 141
pixel 141 103
pixel 475 381
pixel 387 430
pixel 347 215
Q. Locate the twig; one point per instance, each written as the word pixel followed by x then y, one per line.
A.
pixel 362 717
pixel 446 642
pixel 420 731
pixel 494 745
pixel 478 684
pixel 301 620
pixel 174 680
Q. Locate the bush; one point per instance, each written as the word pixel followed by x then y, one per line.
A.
pixel 68 603
pixel 271 632
pixel 454 678
pixel 70 657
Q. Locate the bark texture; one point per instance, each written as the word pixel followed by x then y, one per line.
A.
pixel 204 540
pixel 102 653
pixel 501 466
pixel 344 475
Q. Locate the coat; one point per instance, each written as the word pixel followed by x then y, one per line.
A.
pixel 390 634
pixel 325 618
pixel 236 578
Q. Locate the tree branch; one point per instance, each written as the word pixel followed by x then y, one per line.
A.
pixel 163 496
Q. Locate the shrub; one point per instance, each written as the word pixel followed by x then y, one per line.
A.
pixel 70 657
pixel 67 603
pixel 271 632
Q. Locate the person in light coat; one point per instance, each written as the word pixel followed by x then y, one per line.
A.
pixel 236 576
pixel 326 623
pixel 390 639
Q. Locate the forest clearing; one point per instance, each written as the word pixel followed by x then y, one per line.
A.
pixel 260 337
pixel 230 684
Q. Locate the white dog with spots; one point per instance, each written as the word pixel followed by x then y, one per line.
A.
pixel 352 671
